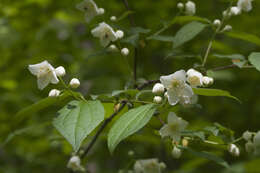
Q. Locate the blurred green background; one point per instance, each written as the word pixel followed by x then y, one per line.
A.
pixel 35 30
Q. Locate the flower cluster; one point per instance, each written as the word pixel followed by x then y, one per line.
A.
pixel 242 5
pixel 179 85
pixel 103 31
pixel 47 74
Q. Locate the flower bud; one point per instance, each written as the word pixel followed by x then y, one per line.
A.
pixel 207 80
pixel 176 152
pixel 54 93
pixel 233 150
pixel 124 51
pixel 194 78
pixel 157 99
pixel 101 11
pixel 74 83
pixel 247 135
pixel 74 164
pixel 185 142
pixel 60 71
pixel 227 28
pixel 180 5
pixel 190 8
pixel 119 34
pixel 234 11
pixel 113 48
pixel 217 22
pixel 130 153
pixel 158 88
pixel 113 18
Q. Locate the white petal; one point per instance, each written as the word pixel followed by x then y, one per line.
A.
pixel 187 91
pixel 43 81
pixel 35 68
pixel 165 131
pixel 173 98
pixel 54 78
pixel 180 75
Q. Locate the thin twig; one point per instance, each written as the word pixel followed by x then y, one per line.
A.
pixel 102 127
pixel 132 22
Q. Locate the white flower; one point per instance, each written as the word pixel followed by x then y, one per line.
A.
pixel 113 48
pixel 125 51
pixel 190 8
pixel 149 166
pixel 158 88
pixel 74 83
pixel 74 164
pixel 175 125
pixel 207 80
pixel 54 93
pixel 113 18
pixel 90 8
pixel 227 28
pixel 234 11
pixel 60 71
pixel 101 11
pixel 176 152
pixel 247 135
pixel 45 74
pixel 177 88
pixel 119 34
pixel 194 78
pixel 245 5
pixel 105 33
pixel 157 99
pixel 217 22
pixel 180 5
pixel 234 150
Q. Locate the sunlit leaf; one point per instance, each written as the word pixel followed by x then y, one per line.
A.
pixel 78 119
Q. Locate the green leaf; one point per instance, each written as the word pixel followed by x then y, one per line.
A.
pixel 78 119
pixel 232 56
pixel 213 92
pixel 254 59
pixel 187 33
pixel 128 124
pixel 245 36
pixel 208 156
